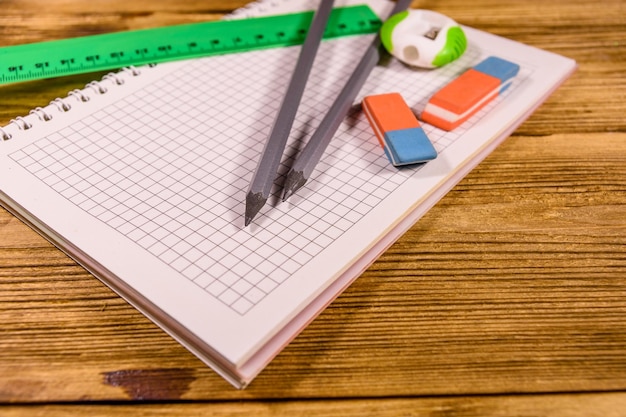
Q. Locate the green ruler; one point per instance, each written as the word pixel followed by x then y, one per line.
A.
pixel 115 50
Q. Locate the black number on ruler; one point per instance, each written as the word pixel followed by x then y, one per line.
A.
pixel 92 58
pixel 300 34
pixel 16 68
pixel 41 65
pixel 117 55
pixel 67 61
pixel 165 48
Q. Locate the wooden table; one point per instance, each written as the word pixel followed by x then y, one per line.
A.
pixel 507 298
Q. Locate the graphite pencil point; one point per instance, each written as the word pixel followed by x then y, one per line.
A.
pixel 295 180
pixel 254 203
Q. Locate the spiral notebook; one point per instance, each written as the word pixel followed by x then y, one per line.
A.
pixel 144 185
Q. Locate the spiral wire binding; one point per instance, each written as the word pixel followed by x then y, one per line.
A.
pixel 5 135
pixel 97 87
pixel 61 105
pixel 132 70
pixel 41 113
pixel 21 123
pixel 116 79
pixel 80 95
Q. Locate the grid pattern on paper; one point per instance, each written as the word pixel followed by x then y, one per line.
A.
pixel 169 165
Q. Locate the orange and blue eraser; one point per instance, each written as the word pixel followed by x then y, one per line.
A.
pixel 397 129
pixel 471 91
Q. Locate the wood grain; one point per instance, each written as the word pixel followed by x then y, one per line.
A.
pixel 593 405
pixel 507 298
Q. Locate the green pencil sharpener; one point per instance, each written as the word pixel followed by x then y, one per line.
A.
pixel 423 38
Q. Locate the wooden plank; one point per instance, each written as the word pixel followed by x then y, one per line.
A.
pixel 587 405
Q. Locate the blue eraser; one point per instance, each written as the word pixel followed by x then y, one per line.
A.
pixel 408 146
pixel 498 67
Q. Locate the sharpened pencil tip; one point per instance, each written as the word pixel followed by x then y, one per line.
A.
pixel 286 194
pixel 254 203
pixel 294 181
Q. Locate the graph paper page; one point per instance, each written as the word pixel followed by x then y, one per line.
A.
pixel 145 184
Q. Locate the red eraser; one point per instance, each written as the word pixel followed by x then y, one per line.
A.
pixel 471 91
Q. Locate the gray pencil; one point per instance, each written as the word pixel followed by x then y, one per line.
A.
pixel 314 149
pixel 274 147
